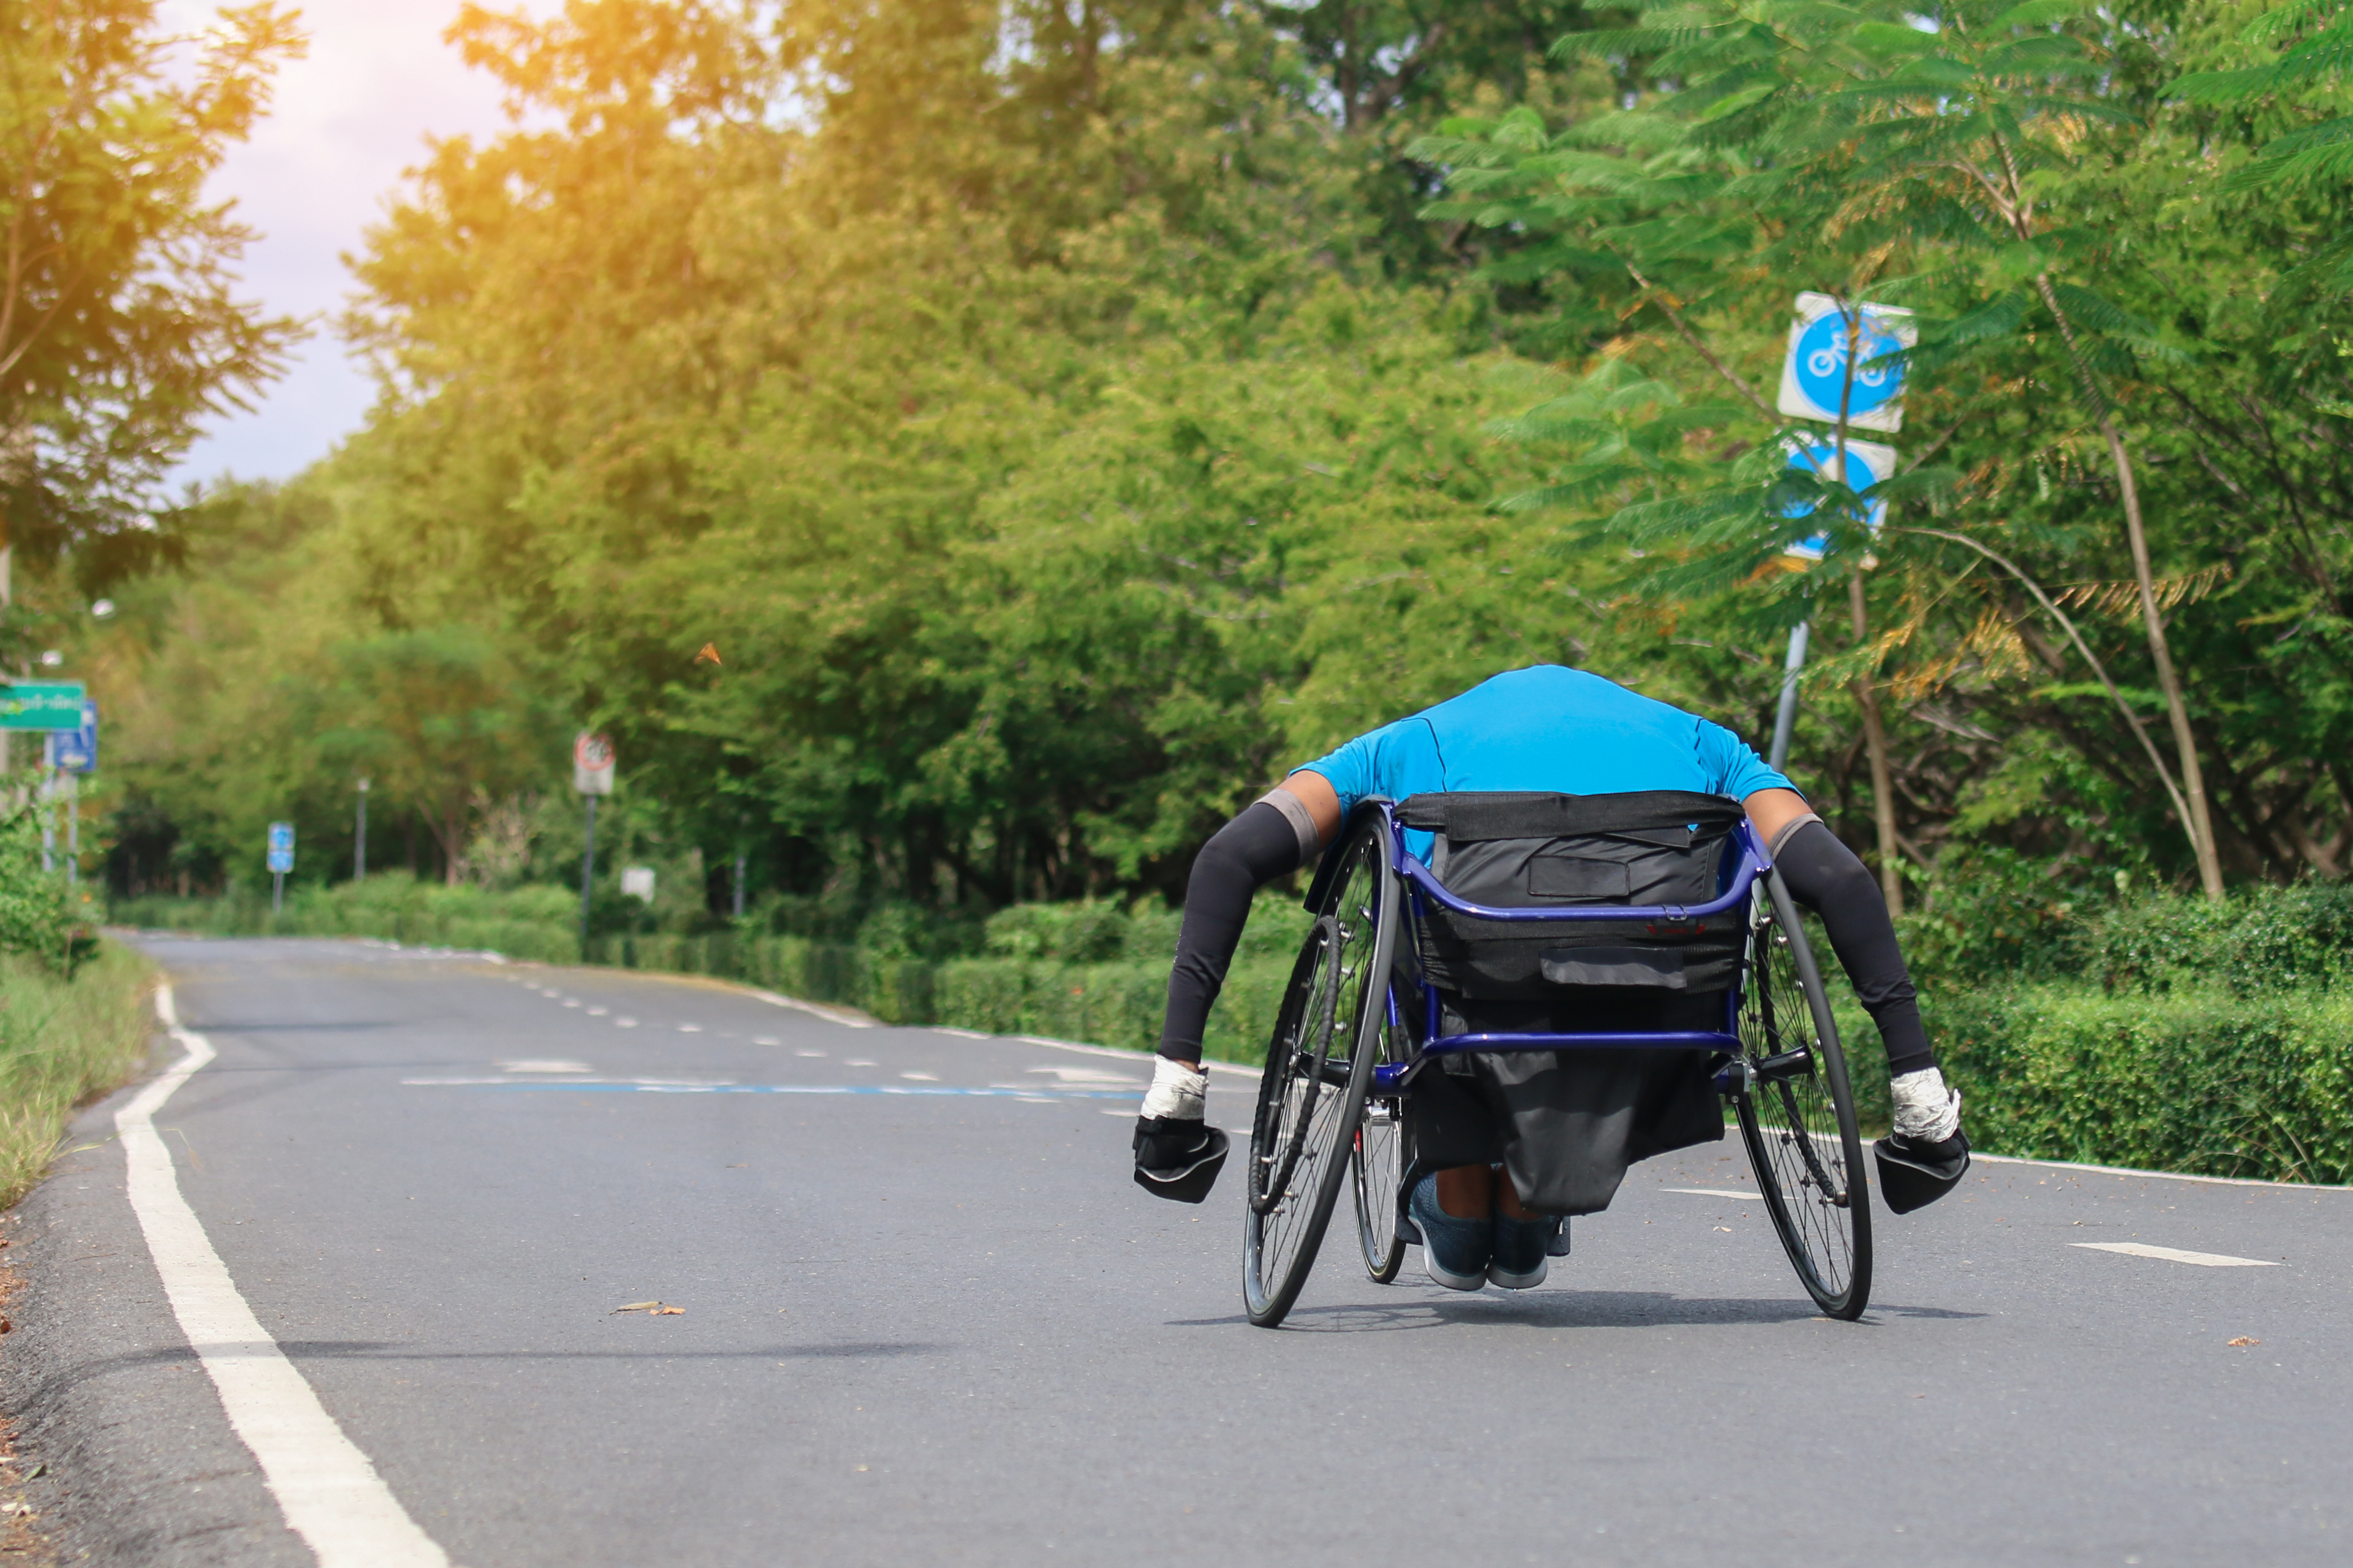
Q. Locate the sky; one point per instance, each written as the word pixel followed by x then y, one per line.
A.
pixel 345 123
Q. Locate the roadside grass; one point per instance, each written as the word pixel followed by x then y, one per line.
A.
pixel 63 1043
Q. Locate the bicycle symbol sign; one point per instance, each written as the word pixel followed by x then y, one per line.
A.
pixel 1867 464
pixel 1814 375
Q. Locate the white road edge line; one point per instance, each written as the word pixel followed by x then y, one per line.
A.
pixel 2174 1255
pixel 831 1016
pixel 1116 1051
pixel 1715 1193
pixel 2161 1176
pixel 330 1493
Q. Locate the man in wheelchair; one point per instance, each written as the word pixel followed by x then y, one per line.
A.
pixel 1557 733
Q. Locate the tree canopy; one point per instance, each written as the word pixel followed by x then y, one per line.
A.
pixel 962 451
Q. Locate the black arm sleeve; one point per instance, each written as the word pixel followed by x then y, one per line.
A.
pixel 1824 874
pixel 1247 853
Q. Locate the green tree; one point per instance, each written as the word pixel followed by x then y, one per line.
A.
pixel 119 330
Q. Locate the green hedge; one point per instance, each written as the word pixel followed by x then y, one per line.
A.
pixel 2161 1032
pixel 2193 1078
pixel 1088 972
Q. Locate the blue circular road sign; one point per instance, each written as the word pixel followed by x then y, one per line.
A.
pixel 1822 366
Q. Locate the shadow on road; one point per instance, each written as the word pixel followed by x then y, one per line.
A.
pixel 1554 1310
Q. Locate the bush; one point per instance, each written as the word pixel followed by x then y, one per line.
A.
pixel 38 913
pixel 63 1042
pixel 2193 1078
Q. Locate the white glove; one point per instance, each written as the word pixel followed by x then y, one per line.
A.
pixel 1928 1110
pixel 1178 1091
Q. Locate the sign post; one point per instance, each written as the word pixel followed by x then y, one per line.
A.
pixel 282 860
pixel 1817 383
pixel 359 838
pixel 591 775
pixel 71 753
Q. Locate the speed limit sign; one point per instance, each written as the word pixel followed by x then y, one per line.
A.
pixel 592 764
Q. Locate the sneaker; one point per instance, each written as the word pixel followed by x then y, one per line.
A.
pixel 1520 1260
pixel 1455 1251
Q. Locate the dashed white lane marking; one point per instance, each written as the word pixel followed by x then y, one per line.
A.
pixel 858 1062
pixel 810 1054
pixel 922 1077
pixel 1715 1193
pixel 625 1023
pixel 549 1064
pixel 330 1495
pixel 766 1040
pixel 2176 1255
pixel 689 1028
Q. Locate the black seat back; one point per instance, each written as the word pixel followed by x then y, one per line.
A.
pixel 1533 850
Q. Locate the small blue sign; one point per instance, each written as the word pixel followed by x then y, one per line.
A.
pixel 1866 465
pixel 281 847
pixel 1822 366
pixel 1814 369
pixel 76 750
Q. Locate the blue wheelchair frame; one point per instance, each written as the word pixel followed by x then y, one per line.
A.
pixel 1423 889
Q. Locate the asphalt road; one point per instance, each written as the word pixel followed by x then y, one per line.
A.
pixel 932 1326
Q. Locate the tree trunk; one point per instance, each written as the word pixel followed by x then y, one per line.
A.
pixel 1882 781
pixel 452 835
pixel 2193 778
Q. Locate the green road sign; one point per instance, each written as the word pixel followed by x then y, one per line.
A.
pixel 41 705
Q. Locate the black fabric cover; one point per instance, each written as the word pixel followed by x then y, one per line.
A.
pixel 1565 1124
pixel 1520 850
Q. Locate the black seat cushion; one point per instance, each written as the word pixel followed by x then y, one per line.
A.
pixel 1528 850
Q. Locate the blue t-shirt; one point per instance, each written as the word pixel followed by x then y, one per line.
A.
pixel 1546 728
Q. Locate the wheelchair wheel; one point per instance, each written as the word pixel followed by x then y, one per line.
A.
pixel 1797 1112
pixel 1318 1064
pixel 1378 1167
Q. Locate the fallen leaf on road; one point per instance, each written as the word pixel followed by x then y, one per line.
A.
pixel 667 1311
pixel 638 1306
pixel 2242 1341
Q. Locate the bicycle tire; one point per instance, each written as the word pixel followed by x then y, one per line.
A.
pixel 1377 1164
pixel 1311 1099
pixel 1797 1117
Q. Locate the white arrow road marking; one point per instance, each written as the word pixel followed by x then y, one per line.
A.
pixel 2174 1255
pixel 330 1495
pixel 1715 1193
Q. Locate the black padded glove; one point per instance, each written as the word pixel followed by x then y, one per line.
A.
pixel 1179 1158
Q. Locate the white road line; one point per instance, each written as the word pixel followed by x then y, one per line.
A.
pixel 330 1495
pixel 2159 1175
pixel 831 1016
pixel 1715 1193
pixel 2174 1255
pixel 1137 1057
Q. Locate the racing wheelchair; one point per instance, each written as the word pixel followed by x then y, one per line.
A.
pixel 1452 924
